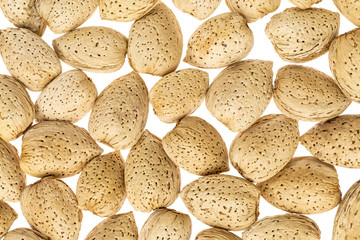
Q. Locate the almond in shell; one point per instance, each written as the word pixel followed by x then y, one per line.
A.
pixel 24 234
pixel 198 9
pixel 304 4
pixel 350 9
pixel 7 217
pixel 216 234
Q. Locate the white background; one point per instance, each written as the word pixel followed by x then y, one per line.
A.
pixel 262 50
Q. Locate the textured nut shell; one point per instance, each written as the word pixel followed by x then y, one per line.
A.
pixel 197 147
pixel 306 185
pixel 265 148
pixel 288 226
pixel 120 112
pixel 304 4
pixel 101 186
pixel 17 111
pixel 198 9
pixel 350 9
pixel 34 66
pixel 222 201
pixel 24 234
pixel 122 226
pixel 220 41
pixel 56 148
pixel 239 95
pixel 68 97
pixel 125 10
pixel 216 234
pixel 63 16
pixel 166 224
pixel 7 217
pixel 300 35
pixel 336 141
pixel 50 207
pixel 93 49
pixel 344 60
pixel 307 94
pixel 152 180
pixel 179 94
pixel 23 14
pixel 253 10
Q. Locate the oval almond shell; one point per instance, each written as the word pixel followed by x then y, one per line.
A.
pixel 304 4
pixel 7 217
pixel 306 185
pixel 350 9
pixel 24 234
pixel 198 9
pixel 216 234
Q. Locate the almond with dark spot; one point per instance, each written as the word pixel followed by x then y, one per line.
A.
pixel 304 4
pixel 350 9
pixel 253 10
pixel 216 234
pixel 198 9
pixel 24 234
pixel 7 217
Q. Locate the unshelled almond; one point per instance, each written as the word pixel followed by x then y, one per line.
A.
pixel 216 234
pixel 350 9
pixel 7 217
pixel 304 4
pixel 198 9
pixel 253 10
pixel 25 234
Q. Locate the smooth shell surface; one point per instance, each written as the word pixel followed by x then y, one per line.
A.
pixel 7 217
pixel 199 9
pixel 24 234
pixel 216 234
pixel 350 9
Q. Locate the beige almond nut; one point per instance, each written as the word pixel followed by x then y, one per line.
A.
pixel 152 180
pixel 232 94
pixel 307 94
pixel 306 185
pixel 156 42
pixel 25 234
pixel 166 224
pixel 336 141
pixel 121 226
pixel 344 60
pixel 220 41
pixel 93 49
pixel 7 217
pixel 120 112
pixel 253 10
pixel 69 97
pixel 223 201
pixel 304 4
pixel 179 94
pixel 287 226
pixel 50 207
pixel 17 111
pixel 350 9
pixel 39 63
pixel 198 9
pixel 216 234
pixel 300 35
pixel 101 185
pixel 262 150
pixel 56 148
pixel 23 14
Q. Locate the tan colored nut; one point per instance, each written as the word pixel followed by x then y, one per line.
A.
pixel 166 224
pixel 93 49
pixel 179 94
pixel 300 35
pixel 122 226
pixel 262 150
pixel 38 66
pixel 336 141
pixel 24 234
pixel 220 41
pixel 17 111
pixel 223 201
pixel 69 97
pixel 288 226
pixel 239 95
pixel 101 186
pixel 350 9
pixel 120 112
pixel 152 180
pixel 198 9
pixel 253 10
pixel 56 148
pixel 306 185
pixel 304 4
pixel 216 234
pixel 307 94
pixel 7 217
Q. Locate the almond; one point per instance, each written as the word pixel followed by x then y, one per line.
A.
pixel 24 234
pixel 220 41
pixel 344 59
pixel 253 10
pixel 306 185
pixel 216 234
pixel 152 180
pixel 222 201
pixel 288 226
pixel 262 150
pixel 38 66
pixel 156 42
pixel 300 35
pixel 7 217
pixel 56 148
pixel 307 94
pixel 101 186
pixel 50 207
pixel 179 94
pixel 198 9
pixel 120 112
pixel 93 49
pixel 166 224
pixel 122 226
pixel 350 9
pixel 304 4
pixel 232 94
pixel 17 111
pixel 336 141
pixel 68 97
pixel 197 147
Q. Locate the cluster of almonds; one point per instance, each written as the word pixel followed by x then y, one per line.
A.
pixel 262 152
